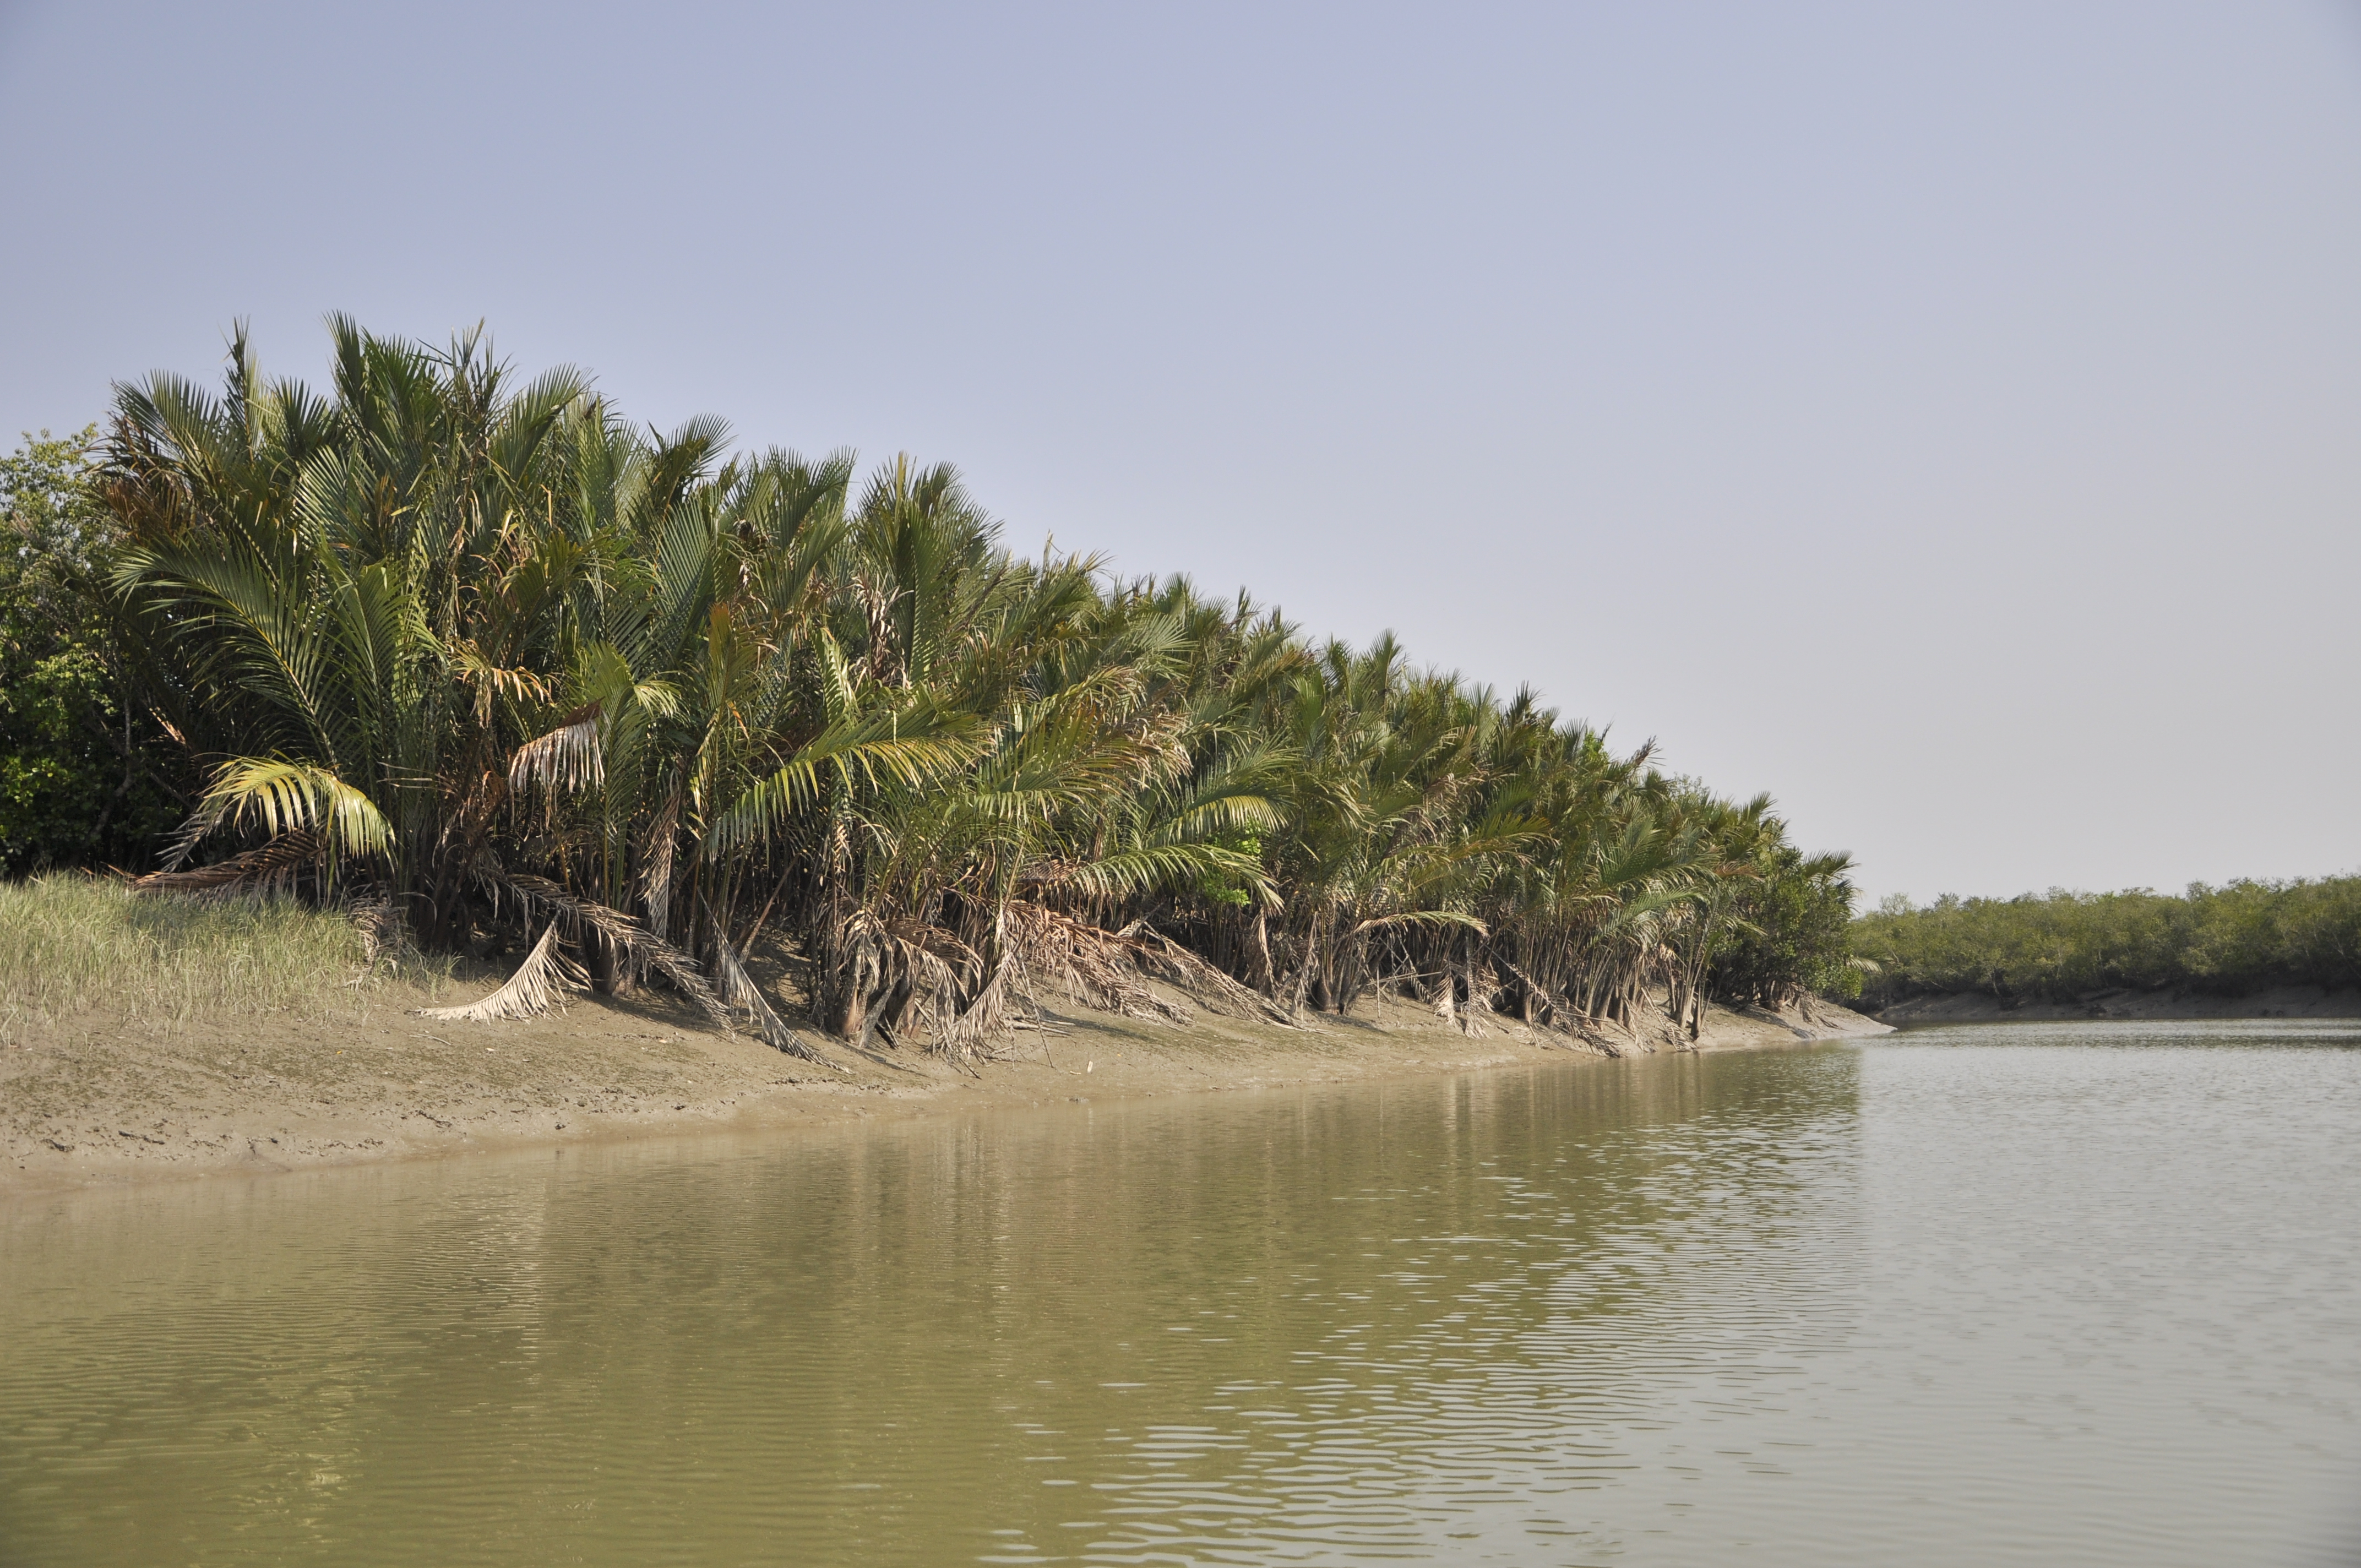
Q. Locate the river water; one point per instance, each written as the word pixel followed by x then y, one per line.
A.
pixel 2055 1295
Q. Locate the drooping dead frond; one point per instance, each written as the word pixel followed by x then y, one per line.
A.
pixel 738 990
pixel 566 759
pixel 885 663
pixel 641 950
pixel 920 978
pixel 1481 983
pixel 1160 957
pixel 1109 970
pixel 1559 1012
pixel 271 868
pixel 965 1034
pixel 656 869
pixel 1098 968
pixel 545 977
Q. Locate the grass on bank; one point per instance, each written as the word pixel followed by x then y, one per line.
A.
pixel 2232 940
pixel 73 945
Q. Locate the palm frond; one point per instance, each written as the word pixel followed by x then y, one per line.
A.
pixel 738 990
pixel 542 980
pixel 566 759
pixel 644 953
pixel 286 796
pixel 269 867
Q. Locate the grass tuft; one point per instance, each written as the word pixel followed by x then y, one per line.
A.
pixel 73 945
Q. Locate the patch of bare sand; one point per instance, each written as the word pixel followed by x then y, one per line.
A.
pixel 90 1099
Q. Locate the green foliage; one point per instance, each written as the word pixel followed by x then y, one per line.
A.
pixel 1793 933
pixel 2231 940
pixel 1219 886
pixel 76 784
pixel 469 645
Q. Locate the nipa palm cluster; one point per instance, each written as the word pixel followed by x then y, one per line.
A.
pixel 501 673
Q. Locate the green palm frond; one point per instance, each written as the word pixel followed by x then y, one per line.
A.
pixel 736 684
pixel 873 752
pixel 283 796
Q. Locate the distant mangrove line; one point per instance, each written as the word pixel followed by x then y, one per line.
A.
pixel 480 660
pixel 2232 940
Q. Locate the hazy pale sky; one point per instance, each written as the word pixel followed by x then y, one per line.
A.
pixel 1945 418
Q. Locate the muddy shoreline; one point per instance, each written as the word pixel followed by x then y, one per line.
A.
pixel 93 1101
pixel 2161 1005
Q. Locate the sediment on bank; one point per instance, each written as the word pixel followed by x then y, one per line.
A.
pixel 2160 1004
pixel 98 1098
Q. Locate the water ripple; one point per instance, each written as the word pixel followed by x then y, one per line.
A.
pixel 2067 1294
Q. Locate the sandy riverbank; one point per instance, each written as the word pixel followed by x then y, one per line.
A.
pixel 93 1101
pixel 1974 1007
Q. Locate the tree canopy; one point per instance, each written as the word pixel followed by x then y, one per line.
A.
pixel 2233 939
pixel 475 654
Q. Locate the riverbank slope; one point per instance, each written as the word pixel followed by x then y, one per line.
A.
pixel 96 1100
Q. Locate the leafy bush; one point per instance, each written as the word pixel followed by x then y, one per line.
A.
pixel 2232 939
pixel 79 767
pixel 1795 935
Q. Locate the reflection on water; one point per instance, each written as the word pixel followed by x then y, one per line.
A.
pixel 1954 1298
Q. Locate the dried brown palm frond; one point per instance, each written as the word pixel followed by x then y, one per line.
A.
pixel 926 975
pixel 1099 969
pixel 544 979
pixel 907 975
pixel 641 950
pixel 565 758
pixel 738 990
pixel 966 1034
pixel 1161 958
pixel 1118 962
pixel 1563 1015
pixel 378 920
pixel 884 662
pixel 271 867
pixel 1481 983
pixel 990 1018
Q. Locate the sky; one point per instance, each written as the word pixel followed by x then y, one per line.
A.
pixel 1946 418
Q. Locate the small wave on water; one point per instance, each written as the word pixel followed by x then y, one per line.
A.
pixel 1954 1298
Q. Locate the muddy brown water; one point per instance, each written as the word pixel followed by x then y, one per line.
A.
pixel 2050 1294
